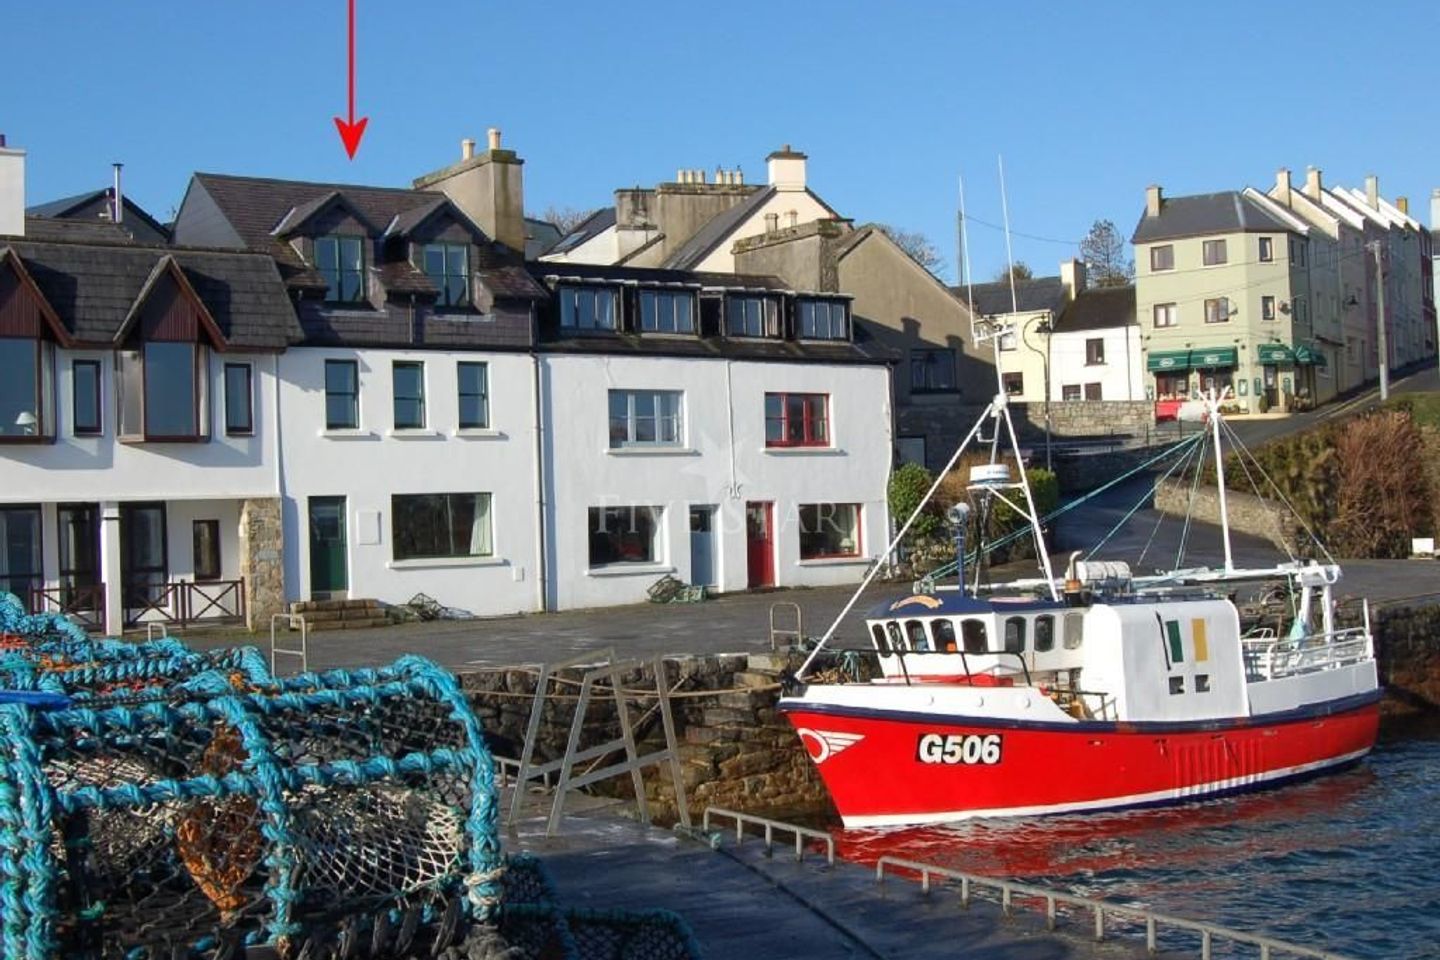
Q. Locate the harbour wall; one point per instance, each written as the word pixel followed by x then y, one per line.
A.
pixel 1248 513
pixel 737 752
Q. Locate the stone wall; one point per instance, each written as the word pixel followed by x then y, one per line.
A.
pixel 736 751
pixel 1248 513
pixel 1086 418
pixel 262 560
pixel 1407 648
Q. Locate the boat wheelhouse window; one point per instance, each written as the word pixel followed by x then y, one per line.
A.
pixel 882 644
pixel 1044 634
pixel 915 633
pixel 943 632
pixel 897 642
pixel 1014 634
pixel 1202 683
pixel 1177 685
pixel 1074 630
pixel 973 632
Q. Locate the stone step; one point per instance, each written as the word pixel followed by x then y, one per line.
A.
pixel 756 678
pixel 741 699
pixel 776 663
pixel 359 623
pixel 318 606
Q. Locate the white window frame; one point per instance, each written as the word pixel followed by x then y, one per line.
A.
pixel 669 407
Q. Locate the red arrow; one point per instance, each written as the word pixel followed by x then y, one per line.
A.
pixel 351 130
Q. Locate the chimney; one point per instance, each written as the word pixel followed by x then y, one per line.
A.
pixel 1435 209
pixel 699 176
pixel 489 187
pixel 787 169
pixel 1372 191
pixel 12 190
pixel 772 222
pixel 1152 200
pixel 1282 186
pixel 117 199
pixel 1313 184
pixel 1072 277
pixel 738 177
pixel 467 149
pixel 1403 205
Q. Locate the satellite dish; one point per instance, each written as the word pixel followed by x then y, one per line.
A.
pixel 958 514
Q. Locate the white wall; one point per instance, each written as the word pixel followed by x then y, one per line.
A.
pixel 806 208
pixel 368 465
pixel 723 461
pixel 96 468
pixel 1120 376
pixel 602 248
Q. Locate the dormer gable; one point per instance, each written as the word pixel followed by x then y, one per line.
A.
pixel 439 219
pixel 24 311
pixel 328 213
pixel 167 308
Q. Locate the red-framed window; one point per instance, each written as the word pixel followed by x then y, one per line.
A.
pixel 797 420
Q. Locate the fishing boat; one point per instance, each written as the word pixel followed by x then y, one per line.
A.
pixel 1099 690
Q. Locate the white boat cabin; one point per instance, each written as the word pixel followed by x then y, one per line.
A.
pixel 1127 659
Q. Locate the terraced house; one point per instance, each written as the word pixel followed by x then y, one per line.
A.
pixel 320 391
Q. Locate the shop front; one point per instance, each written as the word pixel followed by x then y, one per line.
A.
pixel 1215 369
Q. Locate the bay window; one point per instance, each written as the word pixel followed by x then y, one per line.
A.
pixel 26 390
pixel 163 391
pixel 829 530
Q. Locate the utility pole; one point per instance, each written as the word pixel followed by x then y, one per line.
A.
pixel 1381 342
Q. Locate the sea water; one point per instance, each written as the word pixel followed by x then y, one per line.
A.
pixel 1348 862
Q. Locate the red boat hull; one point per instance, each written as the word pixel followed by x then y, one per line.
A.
pixel 887 767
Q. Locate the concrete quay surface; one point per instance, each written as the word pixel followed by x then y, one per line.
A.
pixel 742 904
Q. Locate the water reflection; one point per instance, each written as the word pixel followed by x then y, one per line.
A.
pixel 1345 861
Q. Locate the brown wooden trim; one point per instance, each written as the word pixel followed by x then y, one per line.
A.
pixel 52 319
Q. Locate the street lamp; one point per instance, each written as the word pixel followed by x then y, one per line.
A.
pixel 1042 327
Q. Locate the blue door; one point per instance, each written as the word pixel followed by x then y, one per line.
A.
pixel 702 546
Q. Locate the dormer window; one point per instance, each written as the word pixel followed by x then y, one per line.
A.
pixel 341 261
pixel 588 308
pixel 163 391
pixel 667 311
pixel 448 267
pixel 752 316
pixel 26 411
pixel 823 320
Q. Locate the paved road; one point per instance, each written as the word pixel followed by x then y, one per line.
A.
pixel 1256 432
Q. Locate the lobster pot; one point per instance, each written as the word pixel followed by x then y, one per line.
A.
pixel 155 670
pixel 342 805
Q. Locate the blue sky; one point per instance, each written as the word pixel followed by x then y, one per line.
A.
pixel 1088 103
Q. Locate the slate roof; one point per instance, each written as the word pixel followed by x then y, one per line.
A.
pixel 598 222
pixel 1032 296
pixel 93 288
pixel 1206 213
pixel 715 230
pixel 1098 308
pixel 255 206
pixel 75 231
pixel 540 236
pixel 65 206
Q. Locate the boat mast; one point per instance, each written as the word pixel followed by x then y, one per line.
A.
pixel 1212 407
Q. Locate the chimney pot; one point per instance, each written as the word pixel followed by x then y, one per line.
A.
pixel 699 176
pixel 1372 191
pixel 1153 199
pixel 1282 186
pixel 12 192
pixel 1403 205
pixel 739 176
pixel 467 148
pixel 1313 184
pixel 794 217
pixel 772 222
pixel 493 136
pixel 117 200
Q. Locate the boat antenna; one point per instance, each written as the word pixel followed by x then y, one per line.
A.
pixel 970 285
pixel 1009 252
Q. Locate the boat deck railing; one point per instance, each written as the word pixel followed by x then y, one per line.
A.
pixel 1012 895
pixel 1270 658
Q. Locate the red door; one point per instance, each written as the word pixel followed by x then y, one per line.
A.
pixel 760 543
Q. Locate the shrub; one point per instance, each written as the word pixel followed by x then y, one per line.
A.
pixel 907 488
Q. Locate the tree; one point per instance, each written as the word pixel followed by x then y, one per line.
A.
pixel 920 247
pixel 1021 270
pixel 1103 251
pixel 566 218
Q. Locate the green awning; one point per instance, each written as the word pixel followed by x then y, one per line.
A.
pixel 1164 360
pixel 1275 353
pixel 1308 355
pixel 1214 357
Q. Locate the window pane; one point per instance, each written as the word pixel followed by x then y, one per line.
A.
pixel 409 385
pixel 829 530
pixel 441 525
pixel 434 261
pixel 19 388
pixel 20 570
pixel 350 253
pixel 238 413
pixel 342 395
pixel 205 537
pixel 684 313
pixel 474 399
pixel 170 390
pixel 85 396
pixel 623 535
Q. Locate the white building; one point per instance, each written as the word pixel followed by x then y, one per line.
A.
pixel 1094 348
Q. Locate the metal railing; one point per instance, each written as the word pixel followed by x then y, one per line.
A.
pixel 801 833
pixel 293 621
pixel 1154 923
pixel 83 604
pixel 1269 658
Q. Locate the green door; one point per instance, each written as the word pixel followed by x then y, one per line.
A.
pixel 327 548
